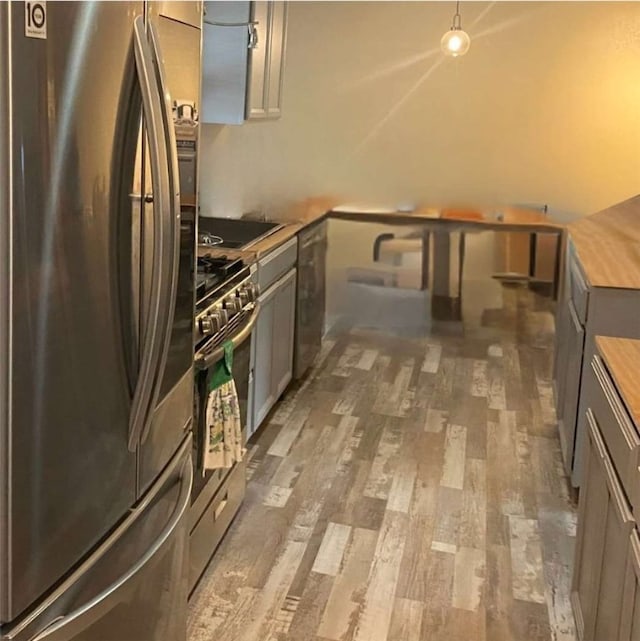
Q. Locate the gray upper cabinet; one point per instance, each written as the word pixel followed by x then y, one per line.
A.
pixel 243 60
pixel 266 62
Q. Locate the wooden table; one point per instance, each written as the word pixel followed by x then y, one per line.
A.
pixel 441 222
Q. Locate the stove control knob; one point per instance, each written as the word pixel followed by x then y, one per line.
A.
pixel 244 295
pixel 206 325
pixel 218 319
pixel 232 305
pixel 251 292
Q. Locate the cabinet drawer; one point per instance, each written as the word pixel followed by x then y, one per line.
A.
pixel 277 263
pixel 578 289
pixel 619 434
pixel 215 520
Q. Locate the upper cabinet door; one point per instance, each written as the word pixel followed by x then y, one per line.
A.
pixel 258 83
pixel 266 60
pixel 277 41
pixel 243 60
pixel 225 57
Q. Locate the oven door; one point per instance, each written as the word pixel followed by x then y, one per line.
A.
pixel 243 378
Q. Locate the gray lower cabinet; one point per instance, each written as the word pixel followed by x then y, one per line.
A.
pixel 273 345
pixel 607 547
pixel 584 313
pixel 630 617
pixel 605 525
pixel 571 347
pixel 283 333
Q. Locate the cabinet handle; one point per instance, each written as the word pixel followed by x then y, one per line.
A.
pixel 253 36
pixel 220 507
pixel 619 500
pixel 214 23
pixel 575 271
pixel 594 431
pixel 251 26
pixel 574 318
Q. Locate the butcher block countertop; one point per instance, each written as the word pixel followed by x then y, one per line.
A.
pixel 304 213
pixel 622 356
pixel 506 218
pixel 608 245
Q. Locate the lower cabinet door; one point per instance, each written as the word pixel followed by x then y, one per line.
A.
pixel 560 355
pixel 604 526
pixel 590 535
pixel 273 345
pixel 283 333
pixel 263 393
pixel 573 373
pixel 618 525
pixel 630 618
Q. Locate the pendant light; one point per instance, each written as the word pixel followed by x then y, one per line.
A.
pixel 455 42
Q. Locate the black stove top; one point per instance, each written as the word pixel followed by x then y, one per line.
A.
pixel 237 233
pixel 214 271
pixel 223 266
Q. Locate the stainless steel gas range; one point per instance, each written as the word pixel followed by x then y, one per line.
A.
pixel 226 310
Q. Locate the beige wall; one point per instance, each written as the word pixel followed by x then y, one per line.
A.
pixel 545 107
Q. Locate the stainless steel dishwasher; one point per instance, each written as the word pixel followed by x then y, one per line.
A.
pixel 310 305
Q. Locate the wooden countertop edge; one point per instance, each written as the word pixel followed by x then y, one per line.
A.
pixel 401 218
pixel 622 357
pixel 607 244
pixel 596 277
pixel 318 214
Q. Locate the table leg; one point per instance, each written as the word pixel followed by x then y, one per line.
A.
pixel 556 266
pixel 441 263
pixel 533 242
pixel 426 256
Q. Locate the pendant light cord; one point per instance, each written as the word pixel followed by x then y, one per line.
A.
pixel 456 17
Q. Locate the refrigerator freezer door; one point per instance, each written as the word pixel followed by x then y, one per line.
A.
pixel 134 587
pixel 67 477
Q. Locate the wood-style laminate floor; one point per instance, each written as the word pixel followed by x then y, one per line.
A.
pixel 409 489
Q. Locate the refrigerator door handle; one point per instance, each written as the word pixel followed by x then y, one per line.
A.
pixel 152 347
pixel 68 626
pixel 171 222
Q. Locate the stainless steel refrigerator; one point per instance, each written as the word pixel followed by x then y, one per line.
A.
pixel 96 317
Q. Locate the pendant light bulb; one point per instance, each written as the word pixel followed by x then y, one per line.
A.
pixel 456 41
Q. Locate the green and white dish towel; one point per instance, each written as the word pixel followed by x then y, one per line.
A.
pixel 223 427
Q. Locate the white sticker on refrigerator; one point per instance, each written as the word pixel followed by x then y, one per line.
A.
pixel 35 19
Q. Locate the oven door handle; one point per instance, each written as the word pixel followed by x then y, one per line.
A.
pixel 205 360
